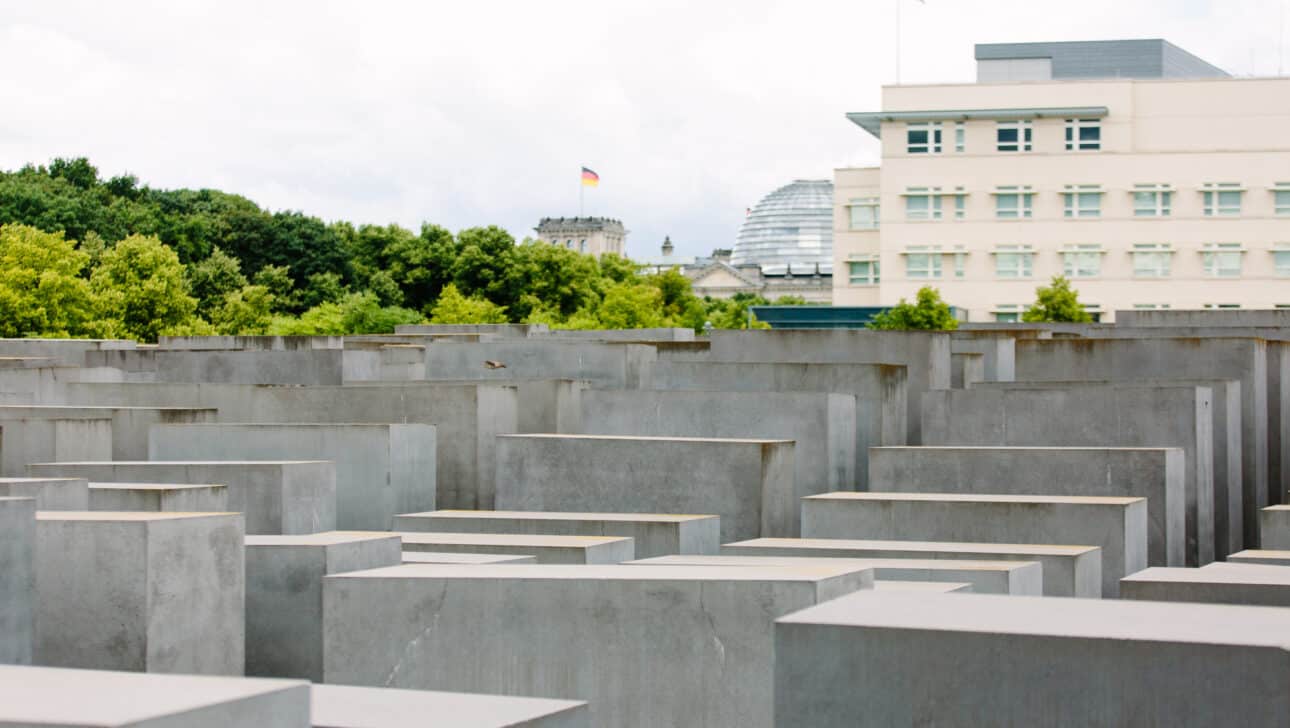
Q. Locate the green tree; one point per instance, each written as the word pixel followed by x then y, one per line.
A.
pixel 454 308
pixel 362 313
pixel 140 290
pixel 1056 302
pixel 322 288
pixel 930 313
pixel 212 279
pixel 680 307
pixel 550 277
pixel 244 312
pixel 733 312
pixel 631 306
pixel 42 291
pixel 277 280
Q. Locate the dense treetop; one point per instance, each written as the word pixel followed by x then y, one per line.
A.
pixel 86 256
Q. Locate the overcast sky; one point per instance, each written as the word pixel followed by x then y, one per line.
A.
pixel 475 113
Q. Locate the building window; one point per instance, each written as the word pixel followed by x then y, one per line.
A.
pixel 864 213
pixel 1012 202
pixel 922 261
pixel 1152 200
pixel 582 246
pixel 1013 136
pixel 1221 305
pixel 1281 259
pixel 1281 198
pixel 1151 260
pixel 1013 261
pixel 1150 306
pixel 1083 134
pixel 1222 260
pixel 1007 312
pixel 568 244
pixel 960 261
pixel 1083 200
pixel 1094 311
pixel 1082 261
pixel 923 203
pixel 923 137
pixel 863 272
pixel 960 203
pixel 960 134
pixel 1223 199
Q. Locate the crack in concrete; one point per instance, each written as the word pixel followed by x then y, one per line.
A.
pixel 409 649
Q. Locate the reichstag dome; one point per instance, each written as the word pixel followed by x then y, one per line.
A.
pixel 791 226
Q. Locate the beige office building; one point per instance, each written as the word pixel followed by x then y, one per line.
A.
pixel 1148 177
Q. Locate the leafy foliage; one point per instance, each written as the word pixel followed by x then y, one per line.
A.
pixel 42 292
pixel 140 288
pixel 929 313
pixel 454 308
pixel 1056 302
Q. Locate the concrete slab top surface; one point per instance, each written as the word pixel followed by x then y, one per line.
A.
pixel 1260 574
pixel 60 696
pixel 1060 448
pixel 646 437
pixel 1282 508
pixel 345 706
pixel 124 515
pixel 1038 549
pixel 564 516
pixel 935 587
pixel 506 539
pixel 326 538
pixel 1116 619
pixel 856 563
pixel 99 407
pixel 439 557
pixel 610 572
pixel 975 498
pixel 155 486
pixel 182 462
pixel 6 498
pixel 6 481
pixel 1262 553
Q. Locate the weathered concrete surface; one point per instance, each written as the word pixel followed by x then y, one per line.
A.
pixel 275 496
pixel 881 658
pixel 748 483
pixel 821 424
pixel 1162 416
pixel 545 549
pixel 1274 527
pixel 1267 557
pixel 381 470
pixel 1217 583
pixel 151 592
pixel 284 603
pixel 44 439
pixel 695 641
pixel 925 587
pixel 1116 525
pixel 17 580
pixel 174 497
pixel 999 352
pixel 1156 474
pixel 304 366
pixel 880 389
pixel 611 365
pixel 654 534
pixel 466 416
pixel 48 696
pixel 925 354
pixel 439 557
pixel 129 424
pixel 517 331
pixel 988 577
pixel 1244 359
pixel 1069 571
pixel 50 494
pixel 347 706
pixel 966 370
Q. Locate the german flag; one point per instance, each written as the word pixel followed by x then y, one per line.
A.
pixel 589 178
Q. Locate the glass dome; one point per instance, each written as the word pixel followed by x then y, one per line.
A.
pixel 792 225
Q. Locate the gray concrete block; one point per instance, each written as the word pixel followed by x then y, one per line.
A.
pixel 1161 416
pixel 879 658
pixel 284 604
pixel 654 534
pixel 347 706
pixel 545 549
pixel 44 439
pixel 925 587
pixel 174 497
pixel 129 424
pixel 611 365
pixel 966 369
pixel 48 696
pixel 381 470
pixel 439 557
pixel 880 389
pixel 748 483
pixel 925 354
pixel 1156 474
pixel 1023 578
pixel 275 496
pixel 998 352
pixel 1217 583
pixel 307 366
pixel 1274 527
pixel 1268 557
pixel 1069 571
pixel 643 645
pixel 822 425
pixel 50 494
pixel 17 580
pixel 150 592
pixel 1116 525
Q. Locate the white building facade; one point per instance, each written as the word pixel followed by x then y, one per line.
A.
pixel 1152 192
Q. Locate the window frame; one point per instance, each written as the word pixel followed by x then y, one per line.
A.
pixel 933 210
pixel 1281 199
pixel 1072 270
pixel 960 137
pixel 933 143
pixel 1025 136
pixel 1161 200
pixel 873 204
pixel 1075 141
pixel 1025 202
pixel 1023 254
pixel 1007 313
pixel 1073 198
pixel 1212 199
pixel 874 276
pixel 931 255
pixel 1159 251
pixel 1211 255
pixel 1281 251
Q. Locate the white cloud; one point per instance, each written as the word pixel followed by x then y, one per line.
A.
pixel 477 113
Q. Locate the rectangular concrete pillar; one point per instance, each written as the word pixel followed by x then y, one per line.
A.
pixel 41 440
pixel 162 497
pixel 347 706
pixel 129 424
pixel 1116 525
pixel 17 580
pixel 1217 583
pixel 748 483
pixel 1274 527
pixel 545 549
pixel 50 494
pixel 440 557
pixel 147 592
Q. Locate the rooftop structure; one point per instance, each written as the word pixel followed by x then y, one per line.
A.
pixel 592 235
pixel 790 226
pixel 1085 59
